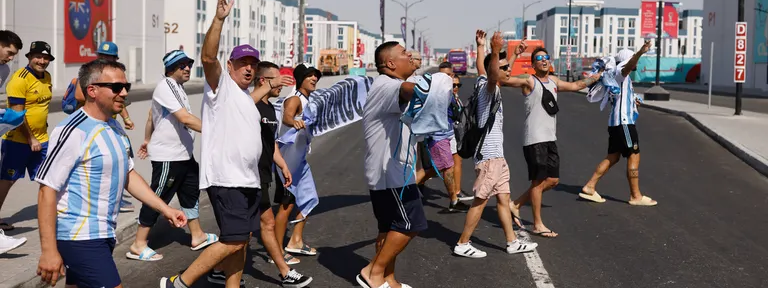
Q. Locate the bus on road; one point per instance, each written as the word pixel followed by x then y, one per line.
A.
pixel 458 58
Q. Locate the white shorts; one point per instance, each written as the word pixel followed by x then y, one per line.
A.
pixel 454 148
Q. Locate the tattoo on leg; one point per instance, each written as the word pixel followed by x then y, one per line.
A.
pixel 634 173
pixel 449 178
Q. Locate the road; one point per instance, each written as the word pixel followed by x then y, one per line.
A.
pixel 704 232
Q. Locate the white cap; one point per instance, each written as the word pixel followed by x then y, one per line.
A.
pixel 624 55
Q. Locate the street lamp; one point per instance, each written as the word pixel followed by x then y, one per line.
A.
pixel 524 8
pixel 568 55
pixel 498 28
pixel 413 45
pixel 406 6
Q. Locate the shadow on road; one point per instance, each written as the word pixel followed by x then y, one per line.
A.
pixel 28 213
pixel 439 232
pixel 333 202
pixel 576 189
pixel 343 261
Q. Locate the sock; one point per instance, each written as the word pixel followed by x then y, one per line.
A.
pixel 177 282
pixel 454 202
pixel 513 242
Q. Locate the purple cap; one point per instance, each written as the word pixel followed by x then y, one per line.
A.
pixel 244 50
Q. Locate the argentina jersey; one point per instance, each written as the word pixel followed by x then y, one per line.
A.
pixel 87 165
pixel 623 107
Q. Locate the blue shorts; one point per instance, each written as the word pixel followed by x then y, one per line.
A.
pixel 89 263
pixel 392 213
pixel 18 157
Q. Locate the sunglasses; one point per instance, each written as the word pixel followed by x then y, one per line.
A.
pixel 116 87
pixel 505 67
pixel 456 85
pixel 542 57
pixel 183 65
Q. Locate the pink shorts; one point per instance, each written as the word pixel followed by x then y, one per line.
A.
pixel 441 154
pixel 492 178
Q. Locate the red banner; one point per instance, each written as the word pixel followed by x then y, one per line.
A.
pixel 648 19
pixel 671 24
pixel 86 24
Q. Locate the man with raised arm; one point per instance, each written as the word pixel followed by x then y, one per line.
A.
pixel 622 133
pixel 231 147
pixel 539 131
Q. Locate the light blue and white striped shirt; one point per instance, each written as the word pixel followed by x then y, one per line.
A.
pixel 87 165
pixel 624 109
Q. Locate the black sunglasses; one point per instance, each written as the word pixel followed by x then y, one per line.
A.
pixel 505 67
pixel 456 85
pixel 116 87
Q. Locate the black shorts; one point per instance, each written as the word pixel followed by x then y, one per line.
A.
pixel 543 160
pixel 402 215
pixel 236 211
pixel 170 178
pixel 426 162
pixel 623 139
pixel 264 203
pixel 282 195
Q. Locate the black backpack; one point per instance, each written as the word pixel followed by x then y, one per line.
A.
pixel 469 135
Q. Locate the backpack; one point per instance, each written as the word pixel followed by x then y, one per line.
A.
pixel 468 133
pixel 69 103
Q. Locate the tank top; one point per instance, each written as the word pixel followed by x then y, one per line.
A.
pixel 539 125
pixel 300 143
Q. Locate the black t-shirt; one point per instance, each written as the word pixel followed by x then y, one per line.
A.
pixel 268 129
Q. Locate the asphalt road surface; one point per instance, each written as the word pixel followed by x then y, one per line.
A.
pixel 705 232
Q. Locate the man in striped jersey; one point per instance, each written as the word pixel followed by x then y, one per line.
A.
pixel 82 181
pixel 622 134
pixel 169 141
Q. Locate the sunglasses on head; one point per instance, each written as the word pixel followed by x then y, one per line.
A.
pixel 542 57
pixel 505 67
pixel 455 85
pixel 116 87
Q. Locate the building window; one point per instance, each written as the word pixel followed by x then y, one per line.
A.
pixel 619 42
pixel 575 22
pixel 341 30
pixel 199 72
pixel 598 23
pixel 562 40
pixel 563 21
pixel 341 45
pixel 631 23
pixel 631 42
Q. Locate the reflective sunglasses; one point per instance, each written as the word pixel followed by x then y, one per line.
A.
pixel 542 57
pixel 116 87
pixel 456 85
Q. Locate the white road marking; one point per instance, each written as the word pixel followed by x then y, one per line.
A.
pixel 535 265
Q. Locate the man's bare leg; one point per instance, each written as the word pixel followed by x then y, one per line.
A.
pixel 449 179
pixel 270 242
pixel 538 187
pixel 457 173
pixel 213 255
pixel 505 216
pixel 633 175
pixel 297 236
pixel 5 187
pixel 281 224
pixel 394 243
pixel 473 217
pixel 196 231
pixel 602 168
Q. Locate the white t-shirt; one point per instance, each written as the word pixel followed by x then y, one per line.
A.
pixel 5 70
pixel 231 137
pixel 381 125
pixel 171 140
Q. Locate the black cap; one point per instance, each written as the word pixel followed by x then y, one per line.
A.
pixel 40 47
pixel 302 71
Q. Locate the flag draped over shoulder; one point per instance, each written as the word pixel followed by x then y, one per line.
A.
pixel 10 119
pixel 327 109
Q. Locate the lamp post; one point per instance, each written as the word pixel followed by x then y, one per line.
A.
pixel 302 3
pixel 568 55
pixel 657 92
pixel 406 6
pixel 413 30
pixel 498 26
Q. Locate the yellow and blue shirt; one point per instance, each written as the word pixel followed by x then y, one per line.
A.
pixel 26 87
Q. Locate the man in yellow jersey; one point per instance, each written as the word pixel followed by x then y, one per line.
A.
pixel 24 148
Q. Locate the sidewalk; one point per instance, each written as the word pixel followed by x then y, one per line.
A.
pixel 735 133
pixel 18 267
pixel 704 89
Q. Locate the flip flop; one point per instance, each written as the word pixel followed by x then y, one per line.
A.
pixel 211 238
pixel 361 281
pixel 289 259
pixel 146 255
pixel 594 197
pixel 645 201
pixel 305 250
pixel 515 215
pixel 541 234
pixel 6 227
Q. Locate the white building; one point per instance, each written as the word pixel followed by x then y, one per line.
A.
pixel 721 18
pixel 137 29
pixel 530 29
pixel 599 31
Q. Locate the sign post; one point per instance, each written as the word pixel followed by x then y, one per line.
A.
pixel 740 61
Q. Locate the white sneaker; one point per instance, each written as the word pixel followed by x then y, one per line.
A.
pixel 518 246
pixel 8 243
pixel 467 250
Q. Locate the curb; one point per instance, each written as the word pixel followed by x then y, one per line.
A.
pixel 734 148
pixel 124 232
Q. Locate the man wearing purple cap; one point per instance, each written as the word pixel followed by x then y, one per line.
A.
pixel 231 148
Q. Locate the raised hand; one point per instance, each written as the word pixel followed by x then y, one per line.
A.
pixel 223 8
pixel 496 42
pixel 480 38
pixel 282 80
pixel 646 46
pixel 521 47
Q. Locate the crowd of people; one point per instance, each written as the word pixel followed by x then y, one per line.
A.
pixel 89 164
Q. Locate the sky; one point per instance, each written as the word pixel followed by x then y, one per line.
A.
pixel 451 23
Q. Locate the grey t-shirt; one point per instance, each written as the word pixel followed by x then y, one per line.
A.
pixel 382 129
pixel 539 125
pixel 5 70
